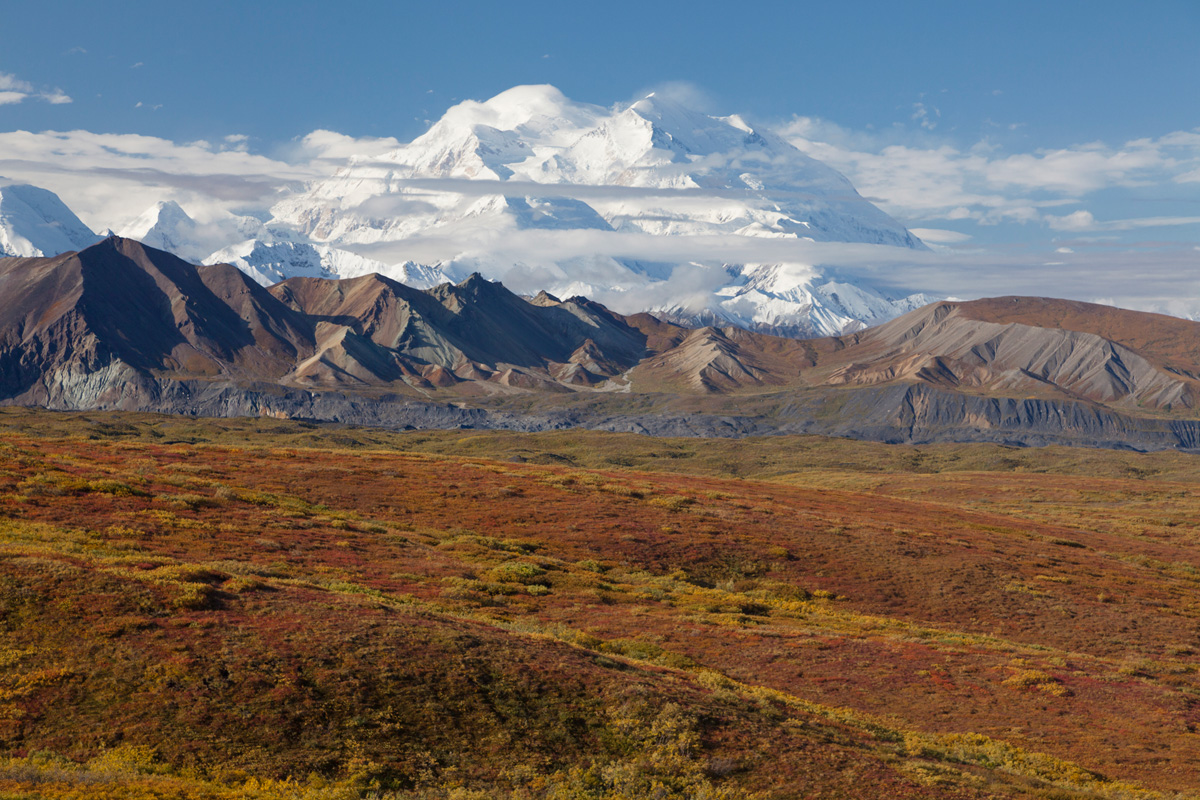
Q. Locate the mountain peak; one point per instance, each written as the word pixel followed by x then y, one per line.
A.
pixel 171 210
pixel 618 169
pixel 530 97
pixel 535 111
pixel 154 218
pixel 475 282
pixel 166 226
pixel 35 222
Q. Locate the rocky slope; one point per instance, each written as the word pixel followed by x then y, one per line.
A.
pixel 100 326
pixel 373 330
pixel 121 325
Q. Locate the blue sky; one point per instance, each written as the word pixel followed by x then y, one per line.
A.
pixel 1066 71
pixel 1016 126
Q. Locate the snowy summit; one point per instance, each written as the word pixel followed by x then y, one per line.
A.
pixel 622 204
pixel 518 188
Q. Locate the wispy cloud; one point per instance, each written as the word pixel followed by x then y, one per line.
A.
pixel 108 179
pixel 470 187
pixel 1083 221
pixel 1148 276
pixel 11 83
pixel 1077 221
pixel 939 236
pixel 943 182
pixel 14 90
pixel 685 93
pixel 926 116
pixel 332 147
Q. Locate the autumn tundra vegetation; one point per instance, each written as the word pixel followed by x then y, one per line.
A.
pixel 258 608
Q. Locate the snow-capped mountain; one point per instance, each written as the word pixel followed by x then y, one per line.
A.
pixel 794 300
pixel 652 167
pixel 269 263
pixel 35 222
pixel 166 226
pixel 557 177
pixel 647 206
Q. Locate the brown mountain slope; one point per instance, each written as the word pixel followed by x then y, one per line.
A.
pixel 1034 347
pixel 475 330
pixel 1167 340
pixel 121 306
pixel 119 325
pixel 720 360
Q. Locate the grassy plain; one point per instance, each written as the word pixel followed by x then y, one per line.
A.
pixel 272 609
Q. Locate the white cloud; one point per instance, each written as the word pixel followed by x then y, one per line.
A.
pixel 922 117
pixel 14 90
pixel 940 236
pixel 1081 169
pixel 924 182
pixel 13 83
pixel 473 187
pixel 108 179
pixel 686 93
pixel 237 141
pixel 1075 221
pixel 1148 222
pixel 1164 278
pixel 323 145
pixel 1081 221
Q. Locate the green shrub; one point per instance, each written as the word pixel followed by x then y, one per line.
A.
pixel 517 572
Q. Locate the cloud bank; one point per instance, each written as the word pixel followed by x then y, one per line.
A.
pixel 109 179
pixel 955 198
pixel 943 183
pixel 1160 277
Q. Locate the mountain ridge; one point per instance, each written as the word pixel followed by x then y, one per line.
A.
pixel 122 325
pixel 531 159
pixel 543 192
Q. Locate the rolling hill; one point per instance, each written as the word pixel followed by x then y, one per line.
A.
pixel 266 610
